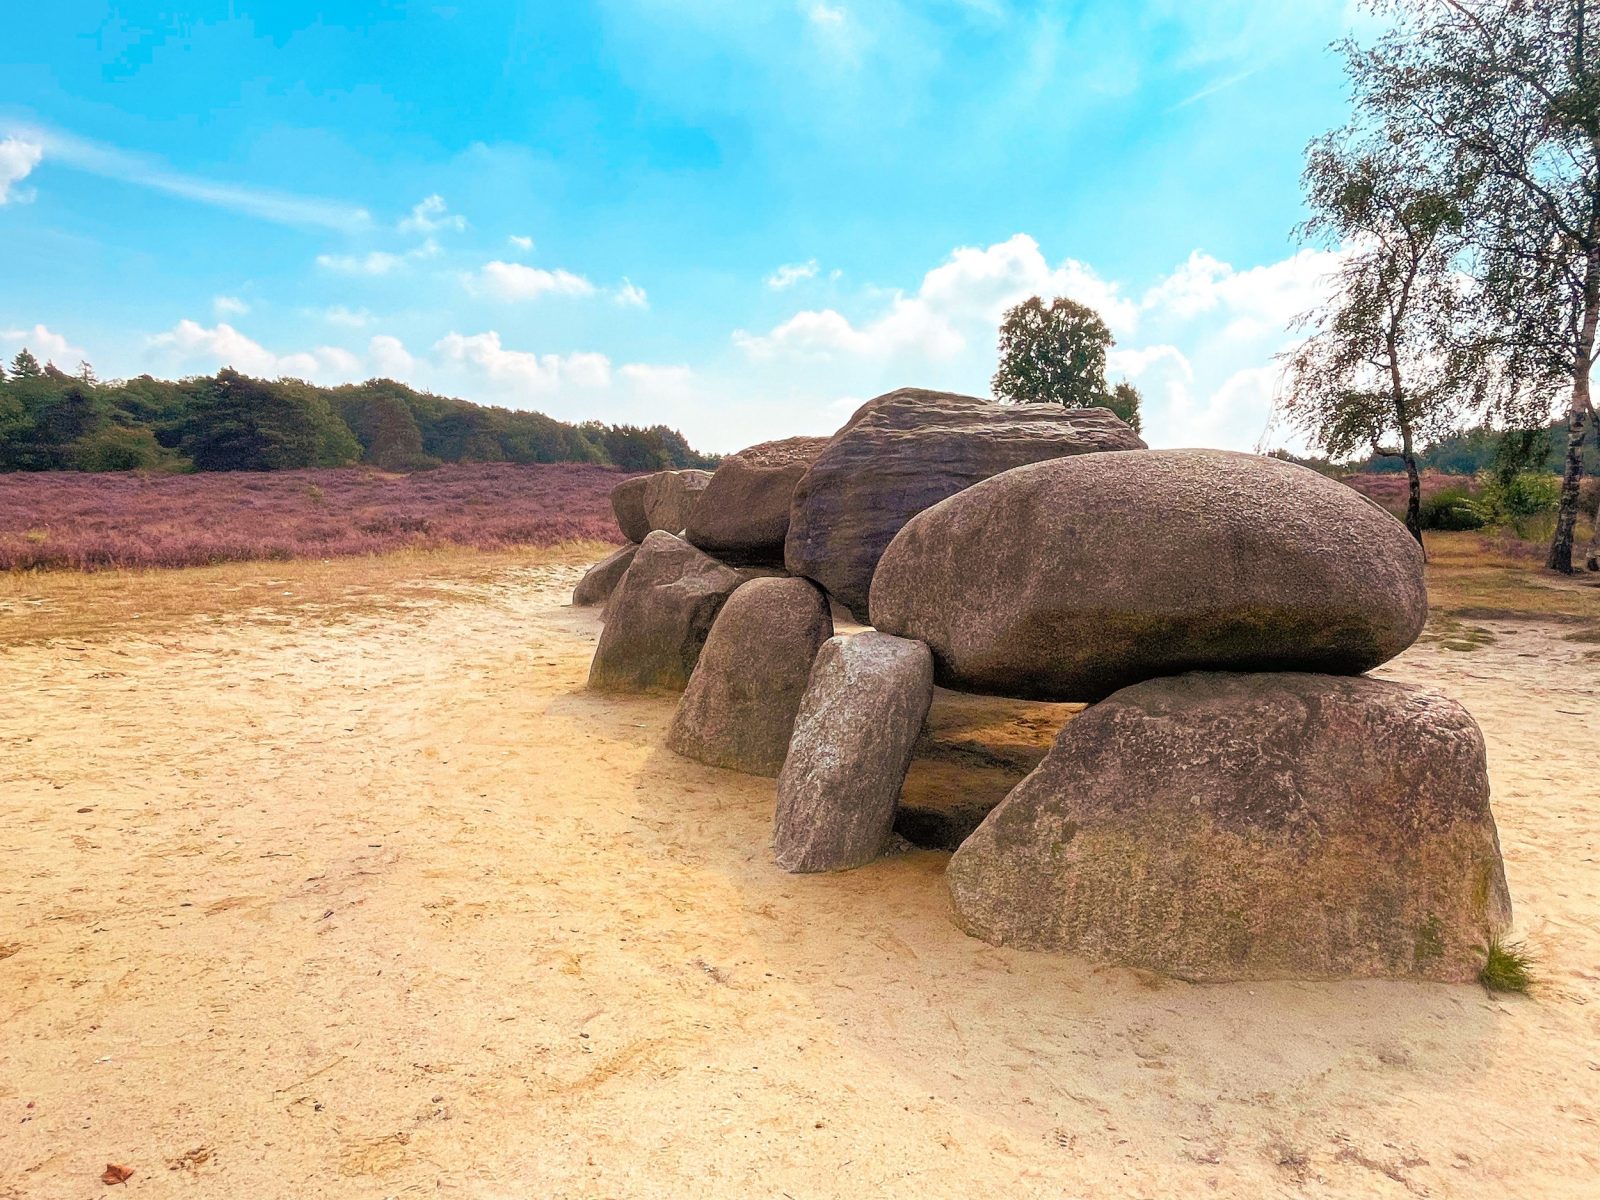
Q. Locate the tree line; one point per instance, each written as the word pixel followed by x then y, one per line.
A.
pixel 51 420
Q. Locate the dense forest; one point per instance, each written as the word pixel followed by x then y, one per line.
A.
pixel 51 421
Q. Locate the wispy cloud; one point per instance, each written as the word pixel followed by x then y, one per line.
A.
pixel 1215 86
pixel 229 306
pixel 376 262
pixel 792 273
pixel 110 162
pixel 431 214
pixel 17 159
pixel 514 281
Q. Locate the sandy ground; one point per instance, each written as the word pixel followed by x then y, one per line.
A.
pixel 387 905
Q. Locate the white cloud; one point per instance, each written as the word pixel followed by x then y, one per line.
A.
pixel 525 244
pixel 348 318
pixel 192 344
pixel 1268 296
pixel 376 262
pixel 430 215
pixel 516 281
pixel 964 296
pixel 265 204
pixel 909 327
pixel 522 370
pixel 792 273
pixel 631 295
pixel 826 16
pixel 17 160
pixel 389 357
pixel 229 306
pixel 44 343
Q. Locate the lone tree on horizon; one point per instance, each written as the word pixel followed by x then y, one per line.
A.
pixel 1057 355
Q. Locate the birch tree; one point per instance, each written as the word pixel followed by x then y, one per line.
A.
pixel 1506 93
pixel 1390 360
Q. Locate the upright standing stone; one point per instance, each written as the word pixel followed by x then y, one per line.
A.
pixel 863 708
pixel 627 502
pixel 659 616
pixel 740 707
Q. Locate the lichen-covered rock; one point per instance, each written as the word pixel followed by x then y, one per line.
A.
pixel 739 709
pixel 1067 580
pixel 1228 826
pixel 658 617
pixel 863 708
pixel 670 498
pixel 600 580
pixel 908 450
pixel 743 514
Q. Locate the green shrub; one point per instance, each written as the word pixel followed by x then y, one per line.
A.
pixel 1506 968
pixel 1452 508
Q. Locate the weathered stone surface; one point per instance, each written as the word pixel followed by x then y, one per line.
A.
pixel 670 498
pixel 600 580
pixel 627 501
pixel 1226 826
pixel 908 450
pixel 663 500
pixel 862 711
pixel 743 515
pixel 658 617
pixel 1066 580
pixel 739 709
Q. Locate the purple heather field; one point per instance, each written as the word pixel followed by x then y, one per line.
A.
pixel 97 521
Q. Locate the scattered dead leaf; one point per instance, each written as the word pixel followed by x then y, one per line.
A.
pixel 115 1173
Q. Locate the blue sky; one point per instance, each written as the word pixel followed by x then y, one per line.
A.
pixel 740 218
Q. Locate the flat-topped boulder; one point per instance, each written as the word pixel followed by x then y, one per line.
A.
pixel 743 514
pixel 600 580
pixel 1066 580
pixel 740 706
pixel 904 452
pixel 659 615
pixel 1229 826
pixel 859 719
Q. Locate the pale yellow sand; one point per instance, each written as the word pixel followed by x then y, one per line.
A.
pixel 384 904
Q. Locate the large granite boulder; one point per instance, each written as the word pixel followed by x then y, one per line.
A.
pixel 600 580
pixel 743 514
pixel 670 498
pixel 908 450
pixel 740 706
pixel 1225 826
pixel 1067 580
pixel 627 502
pixel 863 708
pixel 658 617
pixel 663 500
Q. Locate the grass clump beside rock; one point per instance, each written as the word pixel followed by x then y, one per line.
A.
pixel 1506 967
